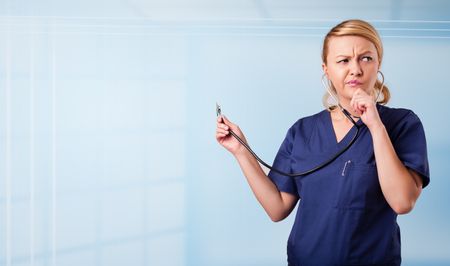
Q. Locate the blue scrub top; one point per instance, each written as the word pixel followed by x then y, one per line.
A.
pixel 343 217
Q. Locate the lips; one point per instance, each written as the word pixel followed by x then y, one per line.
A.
pixel 354 83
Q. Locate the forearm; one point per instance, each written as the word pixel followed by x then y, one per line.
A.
pixel 263 188
pixel 398 185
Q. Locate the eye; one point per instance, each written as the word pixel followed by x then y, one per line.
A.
pixel 343 61
pixel 366 58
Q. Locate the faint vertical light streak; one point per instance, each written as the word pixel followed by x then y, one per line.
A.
pixel 53 199
pixel 8 143
pixel 32 162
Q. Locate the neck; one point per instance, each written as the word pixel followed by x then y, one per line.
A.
pixel 346 106
pixel 338 115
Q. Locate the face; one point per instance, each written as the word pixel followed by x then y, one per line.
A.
pixel 352 63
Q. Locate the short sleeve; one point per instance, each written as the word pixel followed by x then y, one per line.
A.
pixel 283 163
pixel 411 147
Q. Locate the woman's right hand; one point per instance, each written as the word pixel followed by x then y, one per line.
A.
pixel 227 140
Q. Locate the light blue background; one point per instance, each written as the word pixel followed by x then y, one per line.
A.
pixel 107 120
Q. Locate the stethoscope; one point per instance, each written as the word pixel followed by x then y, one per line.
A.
pixel 322 165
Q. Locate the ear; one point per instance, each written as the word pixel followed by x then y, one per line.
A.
pixel 325 69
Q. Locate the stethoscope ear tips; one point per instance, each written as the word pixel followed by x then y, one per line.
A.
pixel 218 110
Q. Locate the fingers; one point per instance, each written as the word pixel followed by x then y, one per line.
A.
pixel 225 121
pixel 358 106
pixel 222 129
pixel 221 123
pixel 224 126
pixel 360 101
pixel 364 105
pixel 220 136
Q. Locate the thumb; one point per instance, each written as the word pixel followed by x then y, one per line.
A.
pixel 228 123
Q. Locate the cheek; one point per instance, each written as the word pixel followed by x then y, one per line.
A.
pixel 372 70
pixel 334 72
pixel 373 77
pixel 338 78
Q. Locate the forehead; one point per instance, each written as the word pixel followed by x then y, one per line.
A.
pixel 350 45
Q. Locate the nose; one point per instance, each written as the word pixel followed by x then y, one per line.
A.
pixel 355 68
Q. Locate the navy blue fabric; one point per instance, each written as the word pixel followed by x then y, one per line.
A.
pixel 343 217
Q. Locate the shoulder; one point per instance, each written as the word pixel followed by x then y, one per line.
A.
pixel 305 125
pixel 398 121
pixel 396 116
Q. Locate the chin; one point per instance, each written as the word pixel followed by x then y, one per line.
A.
pixel 352 89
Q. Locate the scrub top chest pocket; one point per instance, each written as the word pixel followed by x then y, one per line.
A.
pixel 358 186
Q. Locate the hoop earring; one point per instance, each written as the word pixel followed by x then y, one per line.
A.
pixel 381 87
pixel 327 85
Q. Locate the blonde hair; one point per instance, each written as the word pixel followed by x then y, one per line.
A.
pixel 360 28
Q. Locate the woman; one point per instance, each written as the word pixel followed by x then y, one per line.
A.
pixel 348 209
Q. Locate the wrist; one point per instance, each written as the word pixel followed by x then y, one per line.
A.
pixel 241 153
pixel 377 129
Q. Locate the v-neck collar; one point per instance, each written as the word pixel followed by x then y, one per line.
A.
pixel 331 134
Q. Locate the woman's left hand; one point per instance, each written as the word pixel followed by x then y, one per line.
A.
pixel 364 105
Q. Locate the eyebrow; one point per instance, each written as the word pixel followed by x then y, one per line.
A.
pixel 365 52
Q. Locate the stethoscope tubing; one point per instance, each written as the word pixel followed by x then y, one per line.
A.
pixel 318 167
